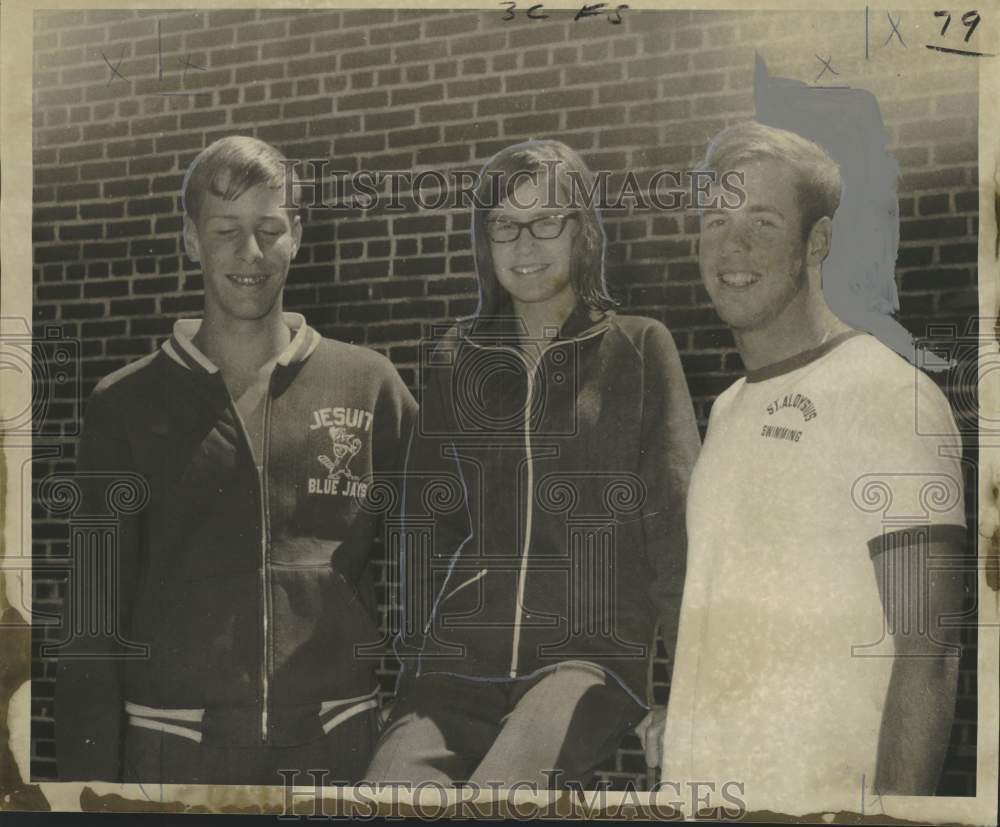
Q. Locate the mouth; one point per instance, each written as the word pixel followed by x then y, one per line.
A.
pixel 529 269
pixel 247 279
pixel 739 279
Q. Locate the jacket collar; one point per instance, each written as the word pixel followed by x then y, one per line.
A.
pixel 181 347
pixel 507 330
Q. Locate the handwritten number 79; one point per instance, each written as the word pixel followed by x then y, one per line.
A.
pixel 970 20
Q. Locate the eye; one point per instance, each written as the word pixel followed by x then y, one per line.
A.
pixel 270 233
pixel 226 232
pixel 715 221
pixel 763 222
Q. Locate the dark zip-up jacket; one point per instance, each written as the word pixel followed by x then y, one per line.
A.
pixel 548 486
pixel 251 588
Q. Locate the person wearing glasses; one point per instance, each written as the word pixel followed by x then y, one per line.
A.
pixel 544 506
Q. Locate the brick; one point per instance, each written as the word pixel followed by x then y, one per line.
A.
pixel 260 72
pixel 368 17
pixel 152 247
pixel 933 204
pixel 533 81
pixel 954 153
pixel 159 326
pixel 181 305
pixel 361 229
pixel 959 253
pixel 159 123
pixel 126 188
pixel 395 332
pixel 105 289
pixel 938 278
pixel 57 292
pixel 103 170
pixel 391 119
pixel 364 270
pixel 537 35
pixel 932 228
pixel 335 126
pixel 257 113
pixel 414 137
pixel 534 125
pixel 363 100
pixel 914 256
pixel 370 142
pixel 311 22
pixel 61 135
pixel 58 213
pixel 83 310
pixel 150 206
pixel 418 266
pixel 279 133
pixel 364 58
pixel 417 52
pixel 419 94
pixel 395 34
pixel 435 113
pixel 124 229
pixel 458 153
pixel 967 201
pixel 80 232
pixel 452 25
pixel 229 57
pixel 56 175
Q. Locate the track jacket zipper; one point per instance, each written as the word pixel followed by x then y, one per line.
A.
pixel 265 540
pixel 530 489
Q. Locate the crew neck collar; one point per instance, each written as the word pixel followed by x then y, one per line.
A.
pixel 800 360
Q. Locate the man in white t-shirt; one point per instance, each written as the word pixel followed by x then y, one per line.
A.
pixel 815 666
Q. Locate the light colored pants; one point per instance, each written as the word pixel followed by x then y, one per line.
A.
pixel 451 729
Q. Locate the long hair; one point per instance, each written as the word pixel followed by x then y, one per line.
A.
pixel 569 182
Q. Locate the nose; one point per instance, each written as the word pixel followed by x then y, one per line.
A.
pixel 736 235
pixel 525 241
pixel 250 251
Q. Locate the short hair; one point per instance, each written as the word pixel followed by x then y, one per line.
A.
pixel 817 176
pixel 229 167
pixel 498 180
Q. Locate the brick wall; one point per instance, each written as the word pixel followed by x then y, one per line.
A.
pixel 116 122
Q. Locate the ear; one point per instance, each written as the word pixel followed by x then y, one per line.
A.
pixel 296 235
pixel 819 241
pixel 191 240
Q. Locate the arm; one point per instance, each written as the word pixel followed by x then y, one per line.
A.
pixel 670 447
pixel 89 702
pixel 920 703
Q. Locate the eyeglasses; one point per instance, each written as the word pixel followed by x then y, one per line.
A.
pixel 503 230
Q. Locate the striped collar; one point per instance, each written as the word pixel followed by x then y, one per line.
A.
pixel 181 347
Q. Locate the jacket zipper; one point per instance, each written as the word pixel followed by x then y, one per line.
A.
pixel 529 506
pixel 265 532
pixel 521 577
pixel 264 542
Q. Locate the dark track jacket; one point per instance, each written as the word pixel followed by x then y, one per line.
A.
pixel 545 504
pixel 250 589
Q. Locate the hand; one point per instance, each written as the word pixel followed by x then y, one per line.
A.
pixel 650 731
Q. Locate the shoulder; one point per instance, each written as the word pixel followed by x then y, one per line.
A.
pixel 647 336
pixel 358 360
pixel 129 381
pixel 883 378
pixel 121 395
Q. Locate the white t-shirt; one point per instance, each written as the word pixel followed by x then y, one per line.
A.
pixel 783 660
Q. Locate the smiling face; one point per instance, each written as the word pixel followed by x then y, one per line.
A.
pixel 245 247
pixel 753 259
pixel 534 271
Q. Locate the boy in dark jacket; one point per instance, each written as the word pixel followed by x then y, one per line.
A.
pixel 246 573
